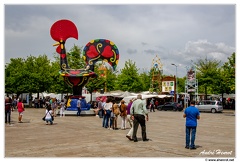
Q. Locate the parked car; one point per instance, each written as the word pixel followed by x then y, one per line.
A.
pixel 209 106
pixel 170 106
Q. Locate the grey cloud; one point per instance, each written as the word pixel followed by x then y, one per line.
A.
pixel 143 43
pixel 176 33
pixel 131 51
pixel 152 52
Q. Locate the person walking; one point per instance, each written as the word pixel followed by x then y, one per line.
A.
pixel 152 105
pixel 130 121
pixel 79 106
pixel 62 108
pixel 138 112
pixel 8 109
pixel 191 114
pixel 54 106
pixel 14 103
pixel 21 109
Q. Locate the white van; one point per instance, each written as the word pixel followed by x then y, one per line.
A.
pixel 209 106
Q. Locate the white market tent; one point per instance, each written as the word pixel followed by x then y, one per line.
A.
pixel 51 95
pixel 144 96
pixel 125 94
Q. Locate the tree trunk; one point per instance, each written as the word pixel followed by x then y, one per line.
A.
pixel 91 97
pixel 205 92
pixel 30 100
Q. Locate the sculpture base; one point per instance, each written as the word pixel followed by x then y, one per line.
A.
pixel 72 106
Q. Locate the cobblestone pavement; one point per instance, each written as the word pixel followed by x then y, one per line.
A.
pixel 84 136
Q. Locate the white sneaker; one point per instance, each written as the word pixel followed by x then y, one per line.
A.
pixel 111 129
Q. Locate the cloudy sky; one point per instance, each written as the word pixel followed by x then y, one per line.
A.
pixel 176 33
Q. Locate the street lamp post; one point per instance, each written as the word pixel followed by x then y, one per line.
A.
pixel 176 84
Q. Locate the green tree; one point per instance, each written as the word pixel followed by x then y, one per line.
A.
pixel 95 84
pixel 146 79
pixel 13 76
pixel 181 84
pixel 128 79
pixel 31 75
pixel 208 71
pixel 75 58
pixel 229 74
pixel 226 81
pixel 58 84
pixel 111 79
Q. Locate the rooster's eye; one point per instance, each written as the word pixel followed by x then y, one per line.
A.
pixel 64 66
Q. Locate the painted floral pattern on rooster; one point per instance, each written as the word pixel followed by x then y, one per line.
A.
pixel 101 50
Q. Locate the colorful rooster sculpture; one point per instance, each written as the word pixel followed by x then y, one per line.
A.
pixel 95 50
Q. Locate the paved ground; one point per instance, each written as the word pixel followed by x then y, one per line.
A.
pixel 84 136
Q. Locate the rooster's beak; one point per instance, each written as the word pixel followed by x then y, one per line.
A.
pixel 56 44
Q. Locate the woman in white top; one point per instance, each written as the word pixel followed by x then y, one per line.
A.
pixel 49 114
pixel 107 109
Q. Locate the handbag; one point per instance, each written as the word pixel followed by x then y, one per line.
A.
pixel 45 117
pixel 52 117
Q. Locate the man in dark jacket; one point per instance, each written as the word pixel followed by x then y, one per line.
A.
pixel 8 109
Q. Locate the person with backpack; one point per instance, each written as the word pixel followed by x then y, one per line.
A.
pixel 123 114
pixel 116 113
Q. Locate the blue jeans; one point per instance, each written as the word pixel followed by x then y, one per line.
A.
pixel 100 113
pixel 79 112
pixel 49 120
pixel 106 118
pixel 7 116
pixel 111 122
pixel 192 131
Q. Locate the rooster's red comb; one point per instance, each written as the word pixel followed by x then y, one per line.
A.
pixel 63 29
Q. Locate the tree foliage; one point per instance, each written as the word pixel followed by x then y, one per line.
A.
pixel 128 79
pixel 208 72
pixel 227 73
pixel 39 74
pixel 145 79
pixel 75 58
pixel 31 75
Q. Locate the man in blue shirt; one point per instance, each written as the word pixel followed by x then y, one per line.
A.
pixel 191 114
